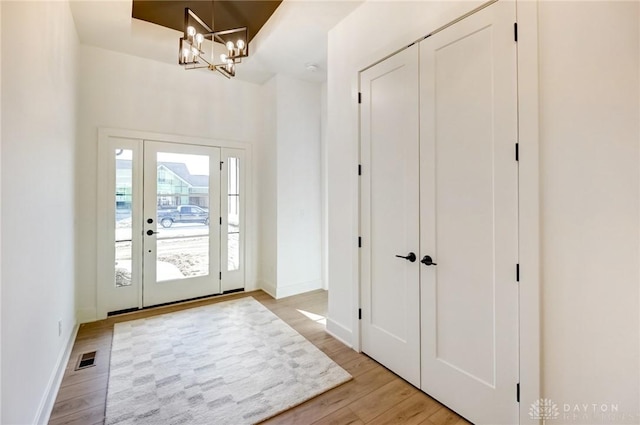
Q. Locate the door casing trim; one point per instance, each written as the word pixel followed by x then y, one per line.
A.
pixel 104 134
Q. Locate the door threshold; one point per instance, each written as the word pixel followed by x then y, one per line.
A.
pixel 187 301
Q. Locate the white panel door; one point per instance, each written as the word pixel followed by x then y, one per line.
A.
pixel 181 250
pixel 389 214
pixel 469 216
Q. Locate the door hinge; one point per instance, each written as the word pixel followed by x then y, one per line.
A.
pixel 221 162
pixel 518 272
pixel 517 151
pixel 220 221
pixel 359 314
pixel 359 242
pixel 359 169
pixel 515 32
pixel 359 97
pixel 220 275
pixel 518 392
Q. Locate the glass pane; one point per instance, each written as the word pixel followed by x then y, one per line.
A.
pixel 234 251
pixel 233 218
pixel 124 179
pixel 180 258
pixel 183 216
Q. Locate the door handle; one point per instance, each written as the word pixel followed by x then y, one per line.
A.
pixel 151 232
pixel 427 261
pixel 411 257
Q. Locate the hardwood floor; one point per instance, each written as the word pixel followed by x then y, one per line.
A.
pixel 374 396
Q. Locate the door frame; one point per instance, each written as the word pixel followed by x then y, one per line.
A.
pixel 529 323
pixel 104 268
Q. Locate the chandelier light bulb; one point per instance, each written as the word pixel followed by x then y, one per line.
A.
pixel 185 55
pixel 199 40
pixel 191 31
pixel 240 45
pixel 223 58
pixel 230 47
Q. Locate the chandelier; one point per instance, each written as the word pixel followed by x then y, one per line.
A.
pixel 227 48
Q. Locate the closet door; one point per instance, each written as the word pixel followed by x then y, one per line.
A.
pixel 469 216
pixel 389 214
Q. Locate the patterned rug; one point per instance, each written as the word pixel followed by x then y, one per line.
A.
pixel 228 363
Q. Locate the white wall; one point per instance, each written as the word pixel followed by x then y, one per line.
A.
pixel 589 160
pixel 590 183
pixel 267 185
pixel 38 204
pixel 128 92
pixel 299 199
pixel 323 185
pixel 291 200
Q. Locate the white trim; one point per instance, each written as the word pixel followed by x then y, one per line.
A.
pixel 529 208
pixel 298 288
pixel 339 332
pixel 355 251
pixel 53 386
pixel 172 138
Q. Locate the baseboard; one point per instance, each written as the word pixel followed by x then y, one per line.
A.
pixel 339 332
pixel 46 404
pixel 267 287
pixel 298 288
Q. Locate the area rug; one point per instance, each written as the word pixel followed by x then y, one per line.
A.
pixel 233 363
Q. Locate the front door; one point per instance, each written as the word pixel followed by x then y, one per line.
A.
pixel 181 245
pixel 389 211
pixel 469 216
pixel 170 222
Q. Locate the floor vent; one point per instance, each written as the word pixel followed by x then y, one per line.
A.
pixel 86 360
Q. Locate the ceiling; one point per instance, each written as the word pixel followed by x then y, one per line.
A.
pixel 218 14
pixel 291 39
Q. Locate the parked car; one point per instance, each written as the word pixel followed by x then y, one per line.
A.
pixel 183 214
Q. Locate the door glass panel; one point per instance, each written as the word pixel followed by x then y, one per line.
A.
pixel 233 218
pixel 124 179
pixel 182 216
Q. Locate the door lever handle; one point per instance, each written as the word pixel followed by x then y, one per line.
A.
pixel 427 261
pixel 151 232
pixel 411 257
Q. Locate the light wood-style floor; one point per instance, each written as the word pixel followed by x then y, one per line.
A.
pixel 374 396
